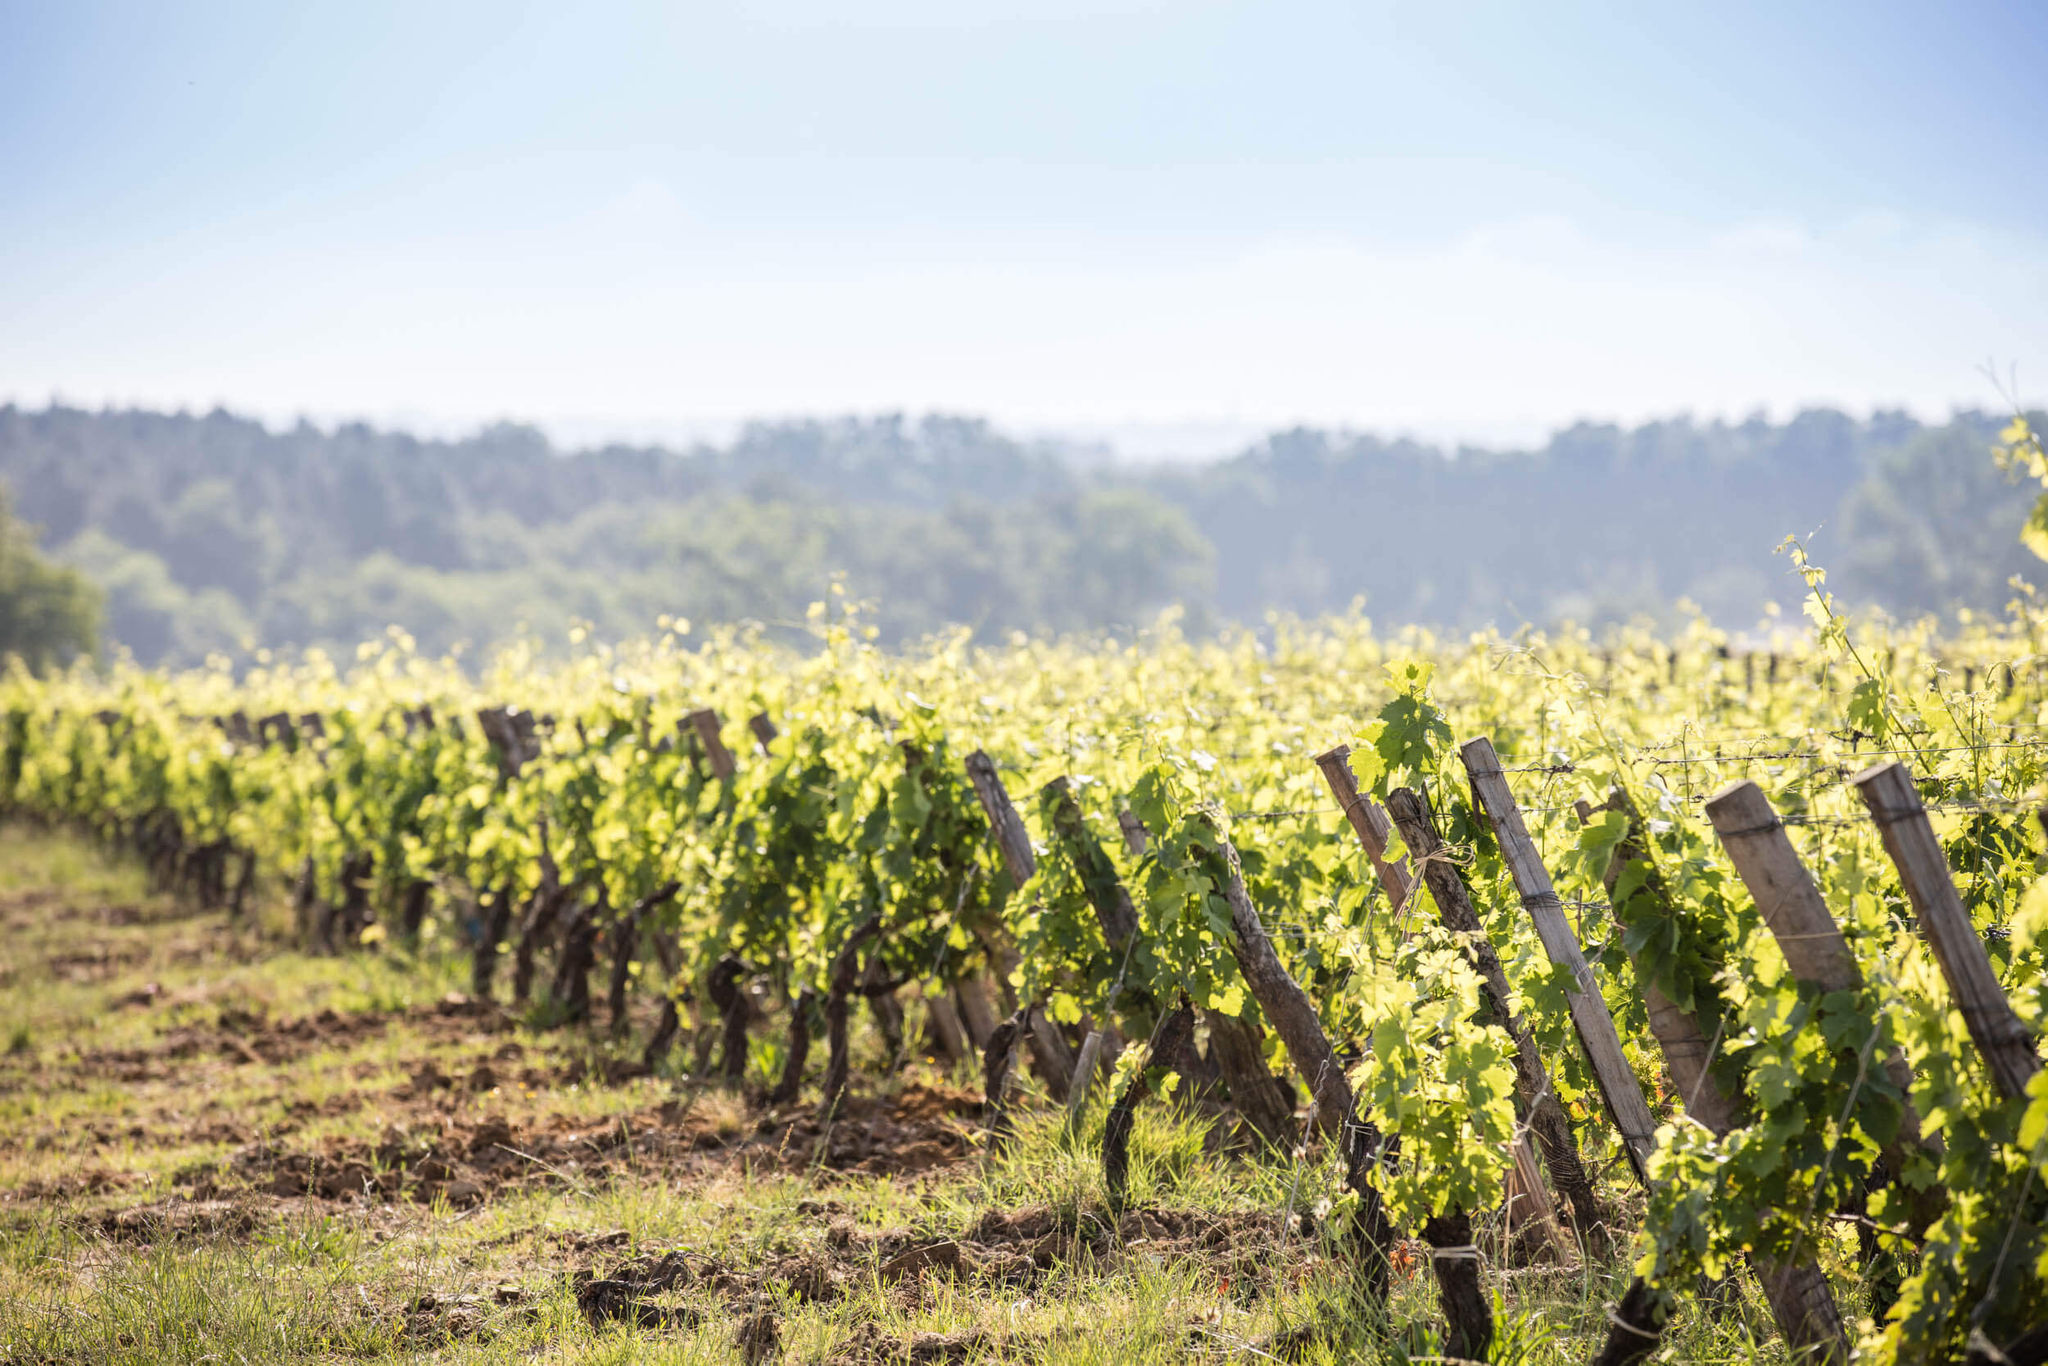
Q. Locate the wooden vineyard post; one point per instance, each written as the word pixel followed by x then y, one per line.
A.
pixel 1791 907
pixel 1909 839
pixel 708 726
pixel 764 730
pixel 1294 1018
pixel 1014 845
pixel 1467 1311
pixel 1013 841
pixel 1368 822
pixel 1545 1115
pixel 946 1028
pixel 1371 824
pixel 1595 1026
pixel 1236 1052
pixel 1798 918
pixel 977 1016
pixel 1797 1291
pixel 1687 1052
pixel 1113 909
pixel 1133 828
pixel 1528 1208
pixel 1784 892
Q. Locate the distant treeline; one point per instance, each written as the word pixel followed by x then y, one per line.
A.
pixel 210 532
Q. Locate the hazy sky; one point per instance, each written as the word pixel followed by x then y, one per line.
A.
pixel 1120 218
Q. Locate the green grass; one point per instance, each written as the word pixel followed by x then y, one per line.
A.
pixel 299 1278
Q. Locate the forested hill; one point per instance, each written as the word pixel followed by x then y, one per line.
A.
pixel 1606 521
pixel 211 531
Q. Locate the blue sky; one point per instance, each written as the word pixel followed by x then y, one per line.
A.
pixel 1160 223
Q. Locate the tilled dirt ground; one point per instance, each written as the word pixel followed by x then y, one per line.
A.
pixel 441 1133
pixel 445 1155
pixel 190 1088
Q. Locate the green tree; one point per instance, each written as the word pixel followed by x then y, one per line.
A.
pixel 48 614
pixel 1935 525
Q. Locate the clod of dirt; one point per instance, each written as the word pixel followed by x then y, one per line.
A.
pixel 1143 1226
pixel 458 1193
pixel 53 1189
pixel 760 1334
pixel 306 1174
pixel 439 1320
pixel 144 995
pixel 869 1346
pixel 1027 1224
pixel 810 1280
pixel 945 1256
pixel 612 1301
pixel 491 1135
pixel 179 1219
pixel 428 1079
pixel 590 1242
pixel 654 1275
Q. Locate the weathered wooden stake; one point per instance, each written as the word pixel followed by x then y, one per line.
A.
pixel 1528 1201
pixel 1528 1205
pixel 1085 1064
pixel 1546 1116
pixel 1105 890
pixel 945 1025
pixel 1372 826
pixel 1909 839
pixel 1686 1049
pixel 1798 918
pixel 1133 828
pixel 976 1014
pixel 1237 1055
pixel 1012 839
pixel 1294 1018
pixel 1799 1286
pixel 1595 1026
pixel 708 726
pixel 1368 822
pixel 1113 910
pixel 1049 1053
